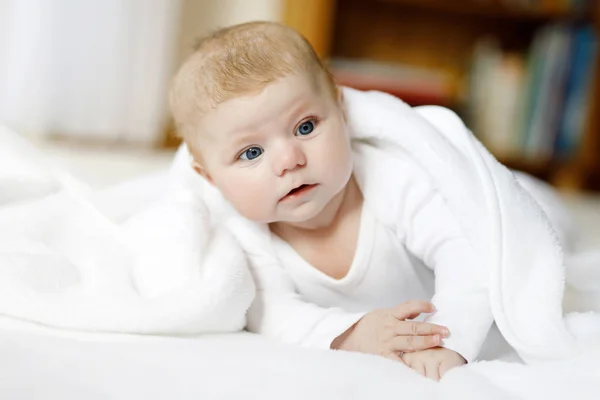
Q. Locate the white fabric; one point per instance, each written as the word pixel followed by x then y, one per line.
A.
pixel 511 236
pixel 22 176
pixel 40 363
pixel 115 261
pixel 382 273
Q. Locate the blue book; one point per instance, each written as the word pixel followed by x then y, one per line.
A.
pixel 577 92
pixel 551 75
pixel 535 63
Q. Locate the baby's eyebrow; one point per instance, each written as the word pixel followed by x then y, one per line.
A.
pixel 301 108
pixel 241 137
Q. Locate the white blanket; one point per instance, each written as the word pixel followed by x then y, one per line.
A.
pixel 112 261
pixel 508 230
pixel 125 261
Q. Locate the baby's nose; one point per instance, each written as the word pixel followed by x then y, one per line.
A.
pixel 289 158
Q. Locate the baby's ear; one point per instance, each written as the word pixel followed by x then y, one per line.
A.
pixel 201 171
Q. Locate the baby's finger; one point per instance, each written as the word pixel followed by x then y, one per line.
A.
pixel 412 343
pixel 444 367
pixel 420 328
pixel 420 368
pixel 411 309
pixel 395 356
pixel 431 371
pixel 407 358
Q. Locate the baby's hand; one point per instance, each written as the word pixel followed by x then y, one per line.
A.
pixel 385 332
pixel 433 363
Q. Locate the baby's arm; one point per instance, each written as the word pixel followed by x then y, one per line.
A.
pixel 461 288
pixel 387 332
pixel 278 311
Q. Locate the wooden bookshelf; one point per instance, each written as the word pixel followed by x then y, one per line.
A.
pixel 491 9
pixel 441 35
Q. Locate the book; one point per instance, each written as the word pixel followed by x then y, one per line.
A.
pixel 546 106
pixel 494 97
pixel 577 92
pixel 533 107
pixel 414 85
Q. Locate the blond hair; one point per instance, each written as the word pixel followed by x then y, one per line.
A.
pixel 236 61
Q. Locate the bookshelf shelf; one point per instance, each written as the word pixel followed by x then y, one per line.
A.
pixel 441 37
pixel 542 168
pixel 493 9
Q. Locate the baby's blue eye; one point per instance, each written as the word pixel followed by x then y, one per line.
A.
pixel 251 154
pixel 305 128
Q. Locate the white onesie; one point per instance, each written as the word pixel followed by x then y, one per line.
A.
pixel 383 273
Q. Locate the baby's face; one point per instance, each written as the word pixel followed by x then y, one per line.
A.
pixel 280 155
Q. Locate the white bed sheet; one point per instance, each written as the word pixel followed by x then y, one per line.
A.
pixel 40 363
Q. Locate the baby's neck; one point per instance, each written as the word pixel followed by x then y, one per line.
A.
pixel 345 201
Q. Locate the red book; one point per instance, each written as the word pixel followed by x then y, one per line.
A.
pixel 416 86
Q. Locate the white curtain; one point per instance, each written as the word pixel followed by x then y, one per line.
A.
pixel 86 68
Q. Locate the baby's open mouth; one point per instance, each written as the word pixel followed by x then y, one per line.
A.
pixel 298 191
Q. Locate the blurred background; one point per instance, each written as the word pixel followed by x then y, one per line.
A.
pixel 87 80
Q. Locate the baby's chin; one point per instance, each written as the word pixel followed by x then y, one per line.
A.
pixel 302 214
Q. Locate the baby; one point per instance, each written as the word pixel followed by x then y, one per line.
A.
pixel 266 126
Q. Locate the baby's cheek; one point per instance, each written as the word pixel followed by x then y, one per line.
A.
pixel 249 199
pixel 337 164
